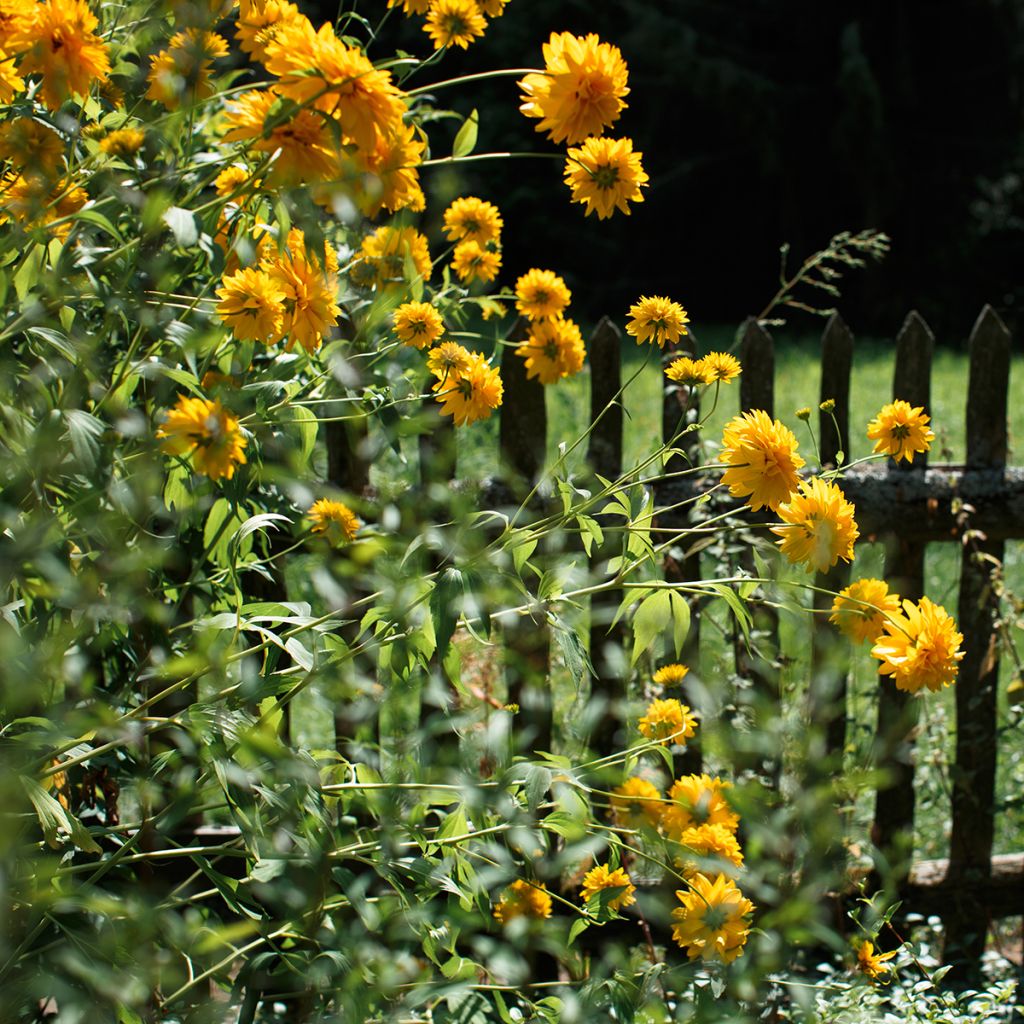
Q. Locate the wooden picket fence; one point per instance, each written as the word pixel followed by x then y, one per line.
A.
pixel 977 505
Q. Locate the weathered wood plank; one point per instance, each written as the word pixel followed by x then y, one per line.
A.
pixel 893 828
pixel 604 353
pixel 523 427
pixel 973 803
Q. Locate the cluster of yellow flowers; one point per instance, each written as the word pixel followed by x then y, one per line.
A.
pixel 579 94
pixel 453 22
pixel 554 346
pixel 919 647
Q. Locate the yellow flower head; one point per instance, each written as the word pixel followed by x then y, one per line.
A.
pixel 605 175
pixel 182 71
pixel 657 319
pixel 124 142
pixel 384 255
pixel 454 23
pixel 302 146
pixel 417 324
pixel 492 8
pixel 472 262
pixel 762 459
pixel 252 305
pixel 448 361
pixel 471 395
pixel 57 39
pixel 523 899
pixel 708 841
pixel 920 648
pixel 31 147
pixel 722 366
pixel 411 6
pixel 554 349
pixel 335 520
pixel 470 217
pixel 33 202
pixel 318 69
pixel 862 609
pixel 208 432
pixel 696 800
pixel 259 25
pixel 637 802
pixel 11 83
pixel 541 294
pixel 581 90
pixel 667 721
pixel 602 877
pixel 691 372
pixel 230 180
pixel 309 287
pixel 873 964
pixel 712 922
pixel 670 675
pixel 900 430
pixel 819 526
pixel 387 177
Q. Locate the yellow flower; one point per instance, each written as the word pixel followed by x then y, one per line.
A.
pixel 207 431
pixel 712 922
pixel 302 146
pixel 30 146
pixel 474 263
pixel 920 647
pixel 541 294
pixel 581 90
pixel 670 675
pixel 762 457
pixel 716 841
pixel 182 71
pixel 862 609
pixel 602 877
pixel 454 23
pixel 722 366
pixel 553 349
pixel 411 6
pixel 259 24
pixel 657 319
pixel 14 15
pixel 417 324
pixel 900 430
pixel 389 177
pixel 691 372
pixel 124 142
pixel 252 305
pixel 309 290
pixel 696 800
pixel 871 963
pixel 471 395
pixel 470 217
pixel 33 202
pixel 383 256
pixel 820 528
pixel 448 361
pixel 667 721
pixel 523 899
pixel 492 8
pixel 605 175
pixel 11 83
pixel 637 802
pixel 335 520
pixel 57 40
pixel 230 180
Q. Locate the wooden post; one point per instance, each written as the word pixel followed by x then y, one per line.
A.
pixel 757 660
pixel 527 642
pixel 970 855
pixel 680 565
pixel 438 458
pixel 893 829
pixel 604 454
pixel 829 656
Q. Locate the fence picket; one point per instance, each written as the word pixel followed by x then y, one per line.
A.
pixel 898 712
pixel 523 427
pixel 973 802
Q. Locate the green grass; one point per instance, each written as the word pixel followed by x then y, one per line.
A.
pixel 797 384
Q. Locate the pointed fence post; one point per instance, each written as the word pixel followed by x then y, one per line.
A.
pixel 973 804
pixel 604 453
pixel 893 829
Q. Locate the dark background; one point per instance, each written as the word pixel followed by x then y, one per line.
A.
pixel 771 121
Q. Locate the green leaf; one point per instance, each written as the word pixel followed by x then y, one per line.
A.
pixel 577 662
pixel 97 219
pixel 465 140
pixel 55 821
pixel 28 274
pixel 650 620
pixel 55 338
pixel 85 432
pixel 579 926
pixel 183 226
pixel 446 607
pixel 680 620
pixel 307 425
